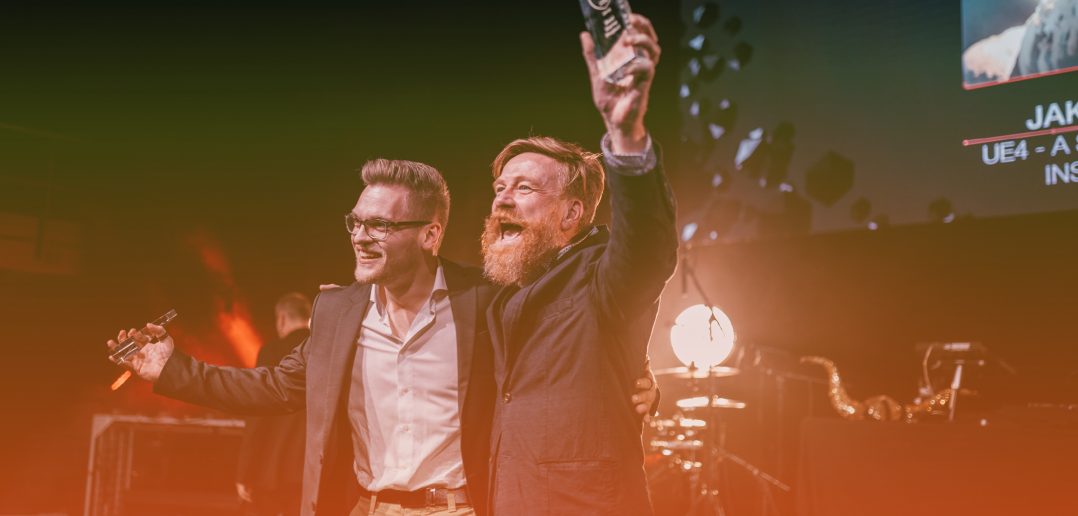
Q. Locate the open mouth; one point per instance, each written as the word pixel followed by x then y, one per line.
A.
pixel 367 255
pixel 510 231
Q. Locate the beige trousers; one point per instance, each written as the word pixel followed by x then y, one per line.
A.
pixel 372 507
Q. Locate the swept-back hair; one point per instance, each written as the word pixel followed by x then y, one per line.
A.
pixel 431 195
pixel 582 174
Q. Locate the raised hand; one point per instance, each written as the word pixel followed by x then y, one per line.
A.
pixel 624 103
pixel 155 348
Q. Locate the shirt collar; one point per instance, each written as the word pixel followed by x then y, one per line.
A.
pixel 582 236
pixel 440 289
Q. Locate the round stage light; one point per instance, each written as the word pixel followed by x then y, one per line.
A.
pixel 702 337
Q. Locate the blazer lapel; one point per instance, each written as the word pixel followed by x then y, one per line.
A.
pixel 344 338
pixel 344 347
pixel 509 326
pixel 464 303
pixel 498 331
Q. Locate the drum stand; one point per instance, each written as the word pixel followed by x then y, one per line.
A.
pixel 710 477
pixel 711 480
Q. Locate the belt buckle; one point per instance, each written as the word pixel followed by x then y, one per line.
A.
pixel 431 496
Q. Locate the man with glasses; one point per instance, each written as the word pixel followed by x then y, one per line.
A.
pixel 396 375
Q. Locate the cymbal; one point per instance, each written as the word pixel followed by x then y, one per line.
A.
pixel 676 444
pixel 667 424
pixel 699 374
pixel 701 402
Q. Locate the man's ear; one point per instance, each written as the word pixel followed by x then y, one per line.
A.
pixel 573 214
pixel 432 236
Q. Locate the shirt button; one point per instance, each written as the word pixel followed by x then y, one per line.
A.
pixel 507 397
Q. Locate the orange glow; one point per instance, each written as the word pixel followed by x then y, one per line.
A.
pixel 233 316
pixel 116 384
pixel 213 258
pixel 241 334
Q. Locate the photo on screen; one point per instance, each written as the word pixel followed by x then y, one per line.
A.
pixel 1011 40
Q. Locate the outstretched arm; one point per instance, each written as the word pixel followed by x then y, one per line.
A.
pixel 257 391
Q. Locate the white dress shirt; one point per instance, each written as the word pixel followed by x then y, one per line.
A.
pixel 408 419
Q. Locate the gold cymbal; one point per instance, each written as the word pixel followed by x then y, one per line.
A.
pixel 701 402
pixel 686 373
pixel 681 422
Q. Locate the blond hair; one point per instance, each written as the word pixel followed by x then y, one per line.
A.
pixel 426 184
pixel 582 174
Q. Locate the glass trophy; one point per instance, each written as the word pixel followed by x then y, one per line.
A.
pixel 129 347
pixel 607 20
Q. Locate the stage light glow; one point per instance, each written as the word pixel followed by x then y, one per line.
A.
pixel 702 337
pixel 120 380
pixel 688 231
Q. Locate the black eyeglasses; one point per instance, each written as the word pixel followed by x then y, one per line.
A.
pixel 379 229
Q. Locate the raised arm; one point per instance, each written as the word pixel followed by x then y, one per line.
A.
pixel 642 252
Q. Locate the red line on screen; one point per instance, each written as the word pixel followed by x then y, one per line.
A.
pixel 1019 78
pixel 1015 136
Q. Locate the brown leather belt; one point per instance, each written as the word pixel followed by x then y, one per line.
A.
pixel 430 496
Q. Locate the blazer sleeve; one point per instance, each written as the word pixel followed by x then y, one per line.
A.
pixel 246 391
pixel 641 254
pixel 261 391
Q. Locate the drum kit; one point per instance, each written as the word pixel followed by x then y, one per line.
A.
pixel 689 448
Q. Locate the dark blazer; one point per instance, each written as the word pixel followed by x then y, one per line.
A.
pixel 271 454
pixel 568 348
pixel 317 375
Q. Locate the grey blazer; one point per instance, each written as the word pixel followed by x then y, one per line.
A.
pixel 317 375
pixel 567 349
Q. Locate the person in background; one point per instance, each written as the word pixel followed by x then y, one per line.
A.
pixel 269 479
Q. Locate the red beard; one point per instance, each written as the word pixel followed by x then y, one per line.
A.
pixel 524 258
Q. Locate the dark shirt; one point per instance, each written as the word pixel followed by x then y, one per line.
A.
pixel 271 455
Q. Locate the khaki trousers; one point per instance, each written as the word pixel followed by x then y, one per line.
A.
pixel 364 508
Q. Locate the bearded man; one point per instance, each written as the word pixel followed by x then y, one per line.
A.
pixel 395 375
pixel 570 326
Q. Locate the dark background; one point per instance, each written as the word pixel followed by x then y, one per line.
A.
pixel 200 157
pixel 879 84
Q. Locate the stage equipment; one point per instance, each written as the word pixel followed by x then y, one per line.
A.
pixel 882 407
pixel 705 15
pixel 606 20
pixel 695 446
pixel 830 178
pixel 959 359
pixel 678 439
pixel 686 373
pixel 702 337
pixel 703 402
pixel 162 466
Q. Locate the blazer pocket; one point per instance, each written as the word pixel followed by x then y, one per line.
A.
pixel 580 487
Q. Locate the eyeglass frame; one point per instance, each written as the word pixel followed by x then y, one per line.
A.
pixel 353 222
